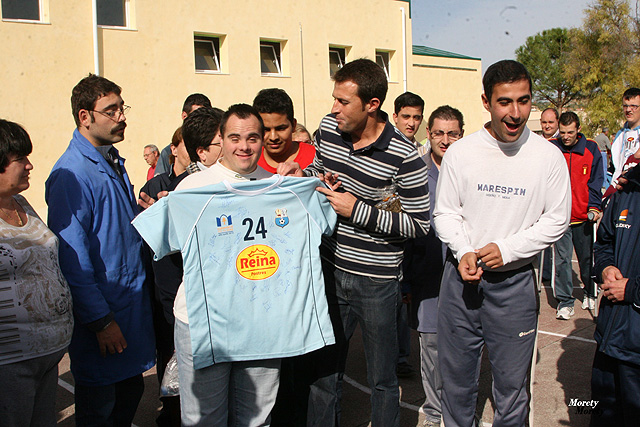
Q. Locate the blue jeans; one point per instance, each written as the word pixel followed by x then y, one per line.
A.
pixel 109 405
pixel 373 303
pixel 580 238
pixel 224 394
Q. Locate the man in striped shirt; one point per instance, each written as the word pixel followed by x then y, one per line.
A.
pixel 381 200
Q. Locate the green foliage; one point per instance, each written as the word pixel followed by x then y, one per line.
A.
pixel 545 56
pixel 604 61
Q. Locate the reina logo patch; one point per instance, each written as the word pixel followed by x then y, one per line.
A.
pixel 281 217
pixel 225 225
pixel 257 262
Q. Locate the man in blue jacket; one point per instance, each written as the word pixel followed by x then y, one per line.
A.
pixel 91 205
pixel 615 381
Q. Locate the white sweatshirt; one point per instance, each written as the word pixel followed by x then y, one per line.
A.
pixel 516 195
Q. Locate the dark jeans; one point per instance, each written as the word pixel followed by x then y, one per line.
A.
pixel 372 303
pixel 110 405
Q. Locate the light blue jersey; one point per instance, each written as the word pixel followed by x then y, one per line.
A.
pixel 252 270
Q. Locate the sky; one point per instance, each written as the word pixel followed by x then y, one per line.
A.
pixel 489 29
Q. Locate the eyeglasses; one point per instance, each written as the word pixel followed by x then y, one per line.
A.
pixel 115 114
pixel 630 107
pixel 452 135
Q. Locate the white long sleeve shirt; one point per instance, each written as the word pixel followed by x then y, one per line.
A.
pixel 516 195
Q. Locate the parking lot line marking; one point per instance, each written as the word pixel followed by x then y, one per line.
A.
pixel 570 337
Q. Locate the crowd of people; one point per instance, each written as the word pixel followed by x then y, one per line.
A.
pixel 255 249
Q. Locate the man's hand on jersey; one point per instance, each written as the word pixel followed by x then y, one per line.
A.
pixel 146 201
pixel 330 180
pixel 341 202
pixel 111 339
pixel 289 169
pixel 491 256
pixel 468 268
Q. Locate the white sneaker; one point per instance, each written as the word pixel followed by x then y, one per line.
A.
pixel 588 303
pixel 565 313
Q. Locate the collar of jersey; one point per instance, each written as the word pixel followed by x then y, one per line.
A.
pixel 276 180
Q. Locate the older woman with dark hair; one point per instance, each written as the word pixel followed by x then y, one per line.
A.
pixel 35 302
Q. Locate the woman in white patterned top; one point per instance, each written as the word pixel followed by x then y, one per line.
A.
pixel 36 320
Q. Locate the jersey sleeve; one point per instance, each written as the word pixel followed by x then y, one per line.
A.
pixel 157 229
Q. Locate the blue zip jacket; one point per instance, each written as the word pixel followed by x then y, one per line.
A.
pixel 618 244
pixel 90 210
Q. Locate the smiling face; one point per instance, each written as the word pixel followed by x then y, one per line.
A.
pixel 98 127
pixel 241 144
pixel 278 134
pixel 15 177
pixel 408 120
pixel 509 106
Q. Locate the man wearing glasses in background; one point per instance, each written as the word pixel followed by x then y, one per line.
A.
pixel 626 141
pixel 91 205
pixel 424 262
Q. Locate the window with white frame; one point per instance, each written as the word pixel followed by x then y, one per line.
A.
pixel 112 13
pixel 270 58
pixel 207 52
pixel 382 59
pixel 337 59
pixel 21 10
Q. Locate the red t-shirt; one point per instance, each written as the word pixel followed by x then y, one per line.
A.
pixel 151 172
pixel 306 153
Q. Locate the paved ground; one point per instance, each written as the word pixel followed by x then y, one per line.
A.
pixel 563 371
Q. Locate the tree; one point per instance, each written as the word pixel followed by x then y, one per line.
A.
pixel 604 61
pixel 545 56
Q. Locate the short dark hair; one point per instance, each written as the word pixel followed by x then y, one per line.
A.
pixel 569 117
pixel 199 129
pixel 505 71
pixel 87 92
pixel 274 101
pixel 195 99
pixel 446 112
pixel 555 112
pixel 242 111
pixel 632 92
pixel 368 76
pixel 408 99
pixel 14 142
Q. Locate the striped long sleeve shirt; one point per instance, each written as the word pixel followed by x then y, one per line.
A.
pixel 371 242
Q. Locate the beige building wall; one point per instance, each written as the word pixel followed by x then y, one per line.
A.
pixel 153 61
pixel 456 81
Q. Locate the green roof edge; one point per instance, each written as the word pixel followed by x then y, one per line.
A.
pixel 431 51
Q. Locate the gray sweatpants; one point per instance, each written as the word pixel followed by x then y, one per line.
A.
pixel 501 312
